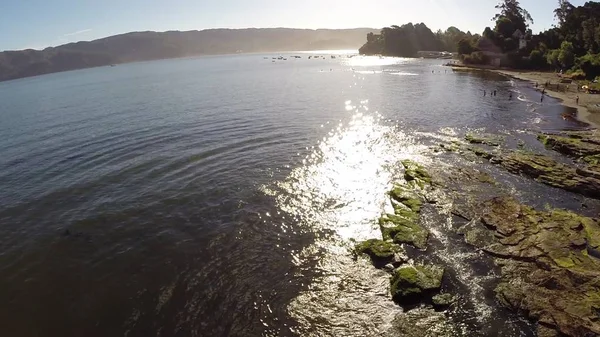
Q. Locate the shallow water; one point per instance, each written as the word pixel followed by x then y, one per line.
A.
pixel 219 195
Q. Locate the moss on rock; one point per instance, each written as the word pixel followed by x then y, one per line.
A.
pixel 576 144
pixel 415 174
pixel 411 283
pixel 547 272
pixel 490 140
pixel 403 230
pixel 381 252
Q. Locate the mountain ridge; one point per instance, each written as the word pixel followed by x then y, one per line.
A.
pixel 151 45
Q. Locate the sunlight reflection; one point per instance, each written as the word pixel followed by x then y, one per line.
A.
pixel 372 61
pixel 339 193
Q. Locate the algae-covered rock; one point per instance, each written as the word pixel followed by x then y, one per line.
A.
pixel 412 283
pixel 406 197
pixel 381 252
pixel 490 140
pixel 545 170
pixel 546 270
pixel 415 174
pixel 441 301
pixel 403 230
pixel 422 323
pixel 577 144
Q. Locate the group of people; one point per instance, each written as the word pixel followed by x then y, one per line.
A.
pixel 494 93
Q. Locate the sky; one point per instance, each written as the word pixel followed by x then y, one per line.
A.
pixel 41 23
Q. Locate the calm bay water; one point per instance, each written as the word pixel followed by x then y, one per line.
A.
pixel 217 196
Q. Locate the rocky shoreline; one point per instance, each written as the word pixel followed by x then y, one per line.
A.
pixel 549 260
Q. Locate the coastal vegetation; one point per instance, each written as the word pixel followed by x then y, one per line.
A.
pixel 572 46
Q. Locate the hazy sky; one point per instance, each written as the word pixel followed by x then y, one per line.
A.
pixel 41 23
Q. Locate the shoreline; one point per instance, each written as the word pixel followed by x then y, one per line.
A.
pixel 567 99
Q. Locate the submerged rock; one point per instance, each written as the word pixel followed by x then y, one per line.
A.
pixel 422 322
pixel 547 272
pixel 441 301
pixel 576 144
pixel 490 140
pixel 411 283
pixel 546 170
pixel 381 252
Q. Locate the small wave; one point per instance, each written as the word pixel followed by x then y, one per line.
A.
pixel 367 72
pixel 401 73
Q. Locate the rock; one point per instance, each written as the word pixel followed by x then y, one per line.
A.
pixel 422 322
pixel 545 170
pixel 576 144
pixel 546 272
pixel 490 140
pixel 403 230
pixel 381 252
pixel 407 198
pixel 416 174
pixel 441 301
pixel 410 283
pixel 402 226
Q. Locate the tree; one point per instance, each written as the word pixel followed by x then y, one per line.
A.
pixel 562 12
pixel 465 47
pixel 566 56
pixel 536 59
pixel 590 29
pixel 512 10
pixel 552 58
pixel 505 27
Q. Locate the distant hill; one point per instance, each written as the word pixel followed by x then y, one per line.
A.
pixel 144 46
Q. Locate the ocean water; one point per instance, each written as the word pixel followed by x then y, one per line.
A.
pixel 218 196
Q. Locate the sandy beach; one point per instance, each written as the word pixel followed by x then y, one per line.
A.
pixel 588 109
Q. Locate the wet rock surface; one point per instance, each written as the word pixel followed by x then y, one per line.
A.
pixel 548 260
pixel 414 283
pixel 547 272
pixel 544 169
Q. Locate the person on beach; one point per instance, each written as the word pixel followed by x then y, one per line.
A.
pixel 542 99
pixel 577 100
pixel 494 92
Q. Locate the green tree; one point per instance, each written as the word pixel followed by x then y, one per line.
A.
pixel 589 30
pixel 552 58
pixel 512 10
pixel 563 11
pixel 465 47
pixel 505 27
pixel 536 59
pixel 566 56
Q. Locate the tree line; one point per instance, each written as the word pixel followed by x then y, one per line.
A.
pixel 572 45
pixel 408 39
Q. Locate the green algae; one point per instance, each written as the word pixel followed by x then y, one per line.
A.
pixel 483 139
pixel 406 197
pixel 410 281
pixel 381 252
pixel 415 174
pixel 546 270
pixel 403 230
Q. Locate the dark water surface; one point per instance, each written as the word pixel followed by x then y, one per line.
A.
pixel 217 196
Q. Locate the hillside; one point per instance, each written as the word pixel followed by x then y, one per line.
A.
pixel 144 46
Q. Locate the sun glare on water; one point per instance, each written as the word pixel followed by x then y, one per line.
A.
pixel 340 189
